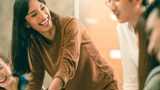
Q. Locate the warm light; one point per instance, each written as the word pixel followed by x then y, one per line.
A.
pixel 91 21
pixel 115 54
pixel 113 17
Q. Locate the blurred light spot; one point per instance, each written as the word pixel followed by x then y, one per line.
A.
pixel 91 21
pixel 113 17
pixel 115 54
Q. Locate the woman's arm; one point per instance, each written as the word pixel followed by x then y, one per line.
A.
pixel 68 56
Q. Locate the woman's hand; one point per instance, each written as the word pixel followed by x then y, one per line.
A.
pixel 56 84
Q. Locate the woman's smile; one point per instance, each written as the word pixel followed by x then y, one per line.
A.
pixel 45 22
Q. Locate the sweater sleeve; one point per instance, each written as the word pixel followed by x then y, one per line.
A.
pixel 69 52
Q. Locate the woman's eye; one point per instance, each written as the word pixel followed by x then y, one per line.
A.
pixel 42 8
pixel 33 15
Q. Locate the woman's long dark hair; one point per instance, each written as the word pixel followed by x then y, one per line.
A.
pixel 21 36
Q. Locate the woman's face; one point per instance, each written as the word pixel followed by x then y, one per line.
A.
pixel 38 16
pixel 5 74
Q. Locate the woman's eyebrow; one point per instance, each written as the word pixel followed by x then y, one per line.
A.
pixel 33 11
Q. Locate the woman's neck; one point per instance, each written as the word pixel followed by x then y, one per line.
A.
pixel 49 34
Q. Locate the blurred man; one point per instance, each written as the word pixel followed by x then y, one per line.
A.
pixel 127 13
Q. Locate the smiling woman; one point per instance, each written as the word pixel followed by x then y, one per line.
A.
pixel 42 40
pixel 39 17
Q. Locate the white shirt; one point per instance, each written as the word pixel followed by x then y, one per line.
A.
pixel 129 54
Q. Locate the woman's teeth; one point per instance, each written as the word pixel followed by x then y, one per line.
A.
pixel 45 22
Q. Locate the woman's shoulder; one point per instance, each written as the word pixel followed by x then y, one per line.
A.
pixel 69 24
pixel 72 26
pixel 67 20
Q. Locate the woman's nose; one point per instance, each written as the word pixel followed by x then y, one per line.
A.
pixel 42 15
